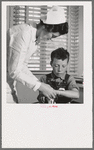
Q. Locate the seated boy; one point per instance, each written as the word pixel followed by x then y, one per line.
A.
pixel 64 84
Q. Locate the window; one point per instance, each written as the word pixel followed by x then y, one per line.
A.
pixel 40 61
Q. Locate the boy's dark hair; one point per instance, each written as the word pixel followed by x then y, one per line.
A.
pixel 61 28
pixel 60 53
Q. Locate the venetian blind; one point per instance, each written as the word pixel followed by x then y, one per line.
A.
pixel 73 36
pixel 40 61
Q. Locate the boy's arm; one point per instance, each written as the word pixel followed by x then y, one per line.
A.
pixel 74 93
pixel 73 89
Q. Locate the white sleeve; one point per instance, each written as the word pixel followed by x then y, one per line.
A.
pixel 17 48
pixel 29 80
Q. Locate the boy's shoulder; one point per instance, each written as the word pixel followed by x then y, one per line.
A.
pixel 69 78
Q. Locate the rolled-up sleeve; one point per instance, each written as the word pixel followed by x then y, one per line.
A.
pixel 18 47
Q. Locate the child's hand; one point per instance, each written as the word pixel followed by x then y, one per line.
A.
pixel 51 101
pixel 41 98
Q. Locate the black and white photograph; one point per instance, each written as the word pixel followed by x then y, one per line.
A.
pixel 45 54
pixel 46 74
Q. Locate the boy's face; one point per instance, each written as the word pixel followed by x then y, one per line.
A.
pixel 59 66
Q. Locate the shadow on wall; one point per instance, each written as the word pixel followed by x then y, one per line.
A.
pixel 26 95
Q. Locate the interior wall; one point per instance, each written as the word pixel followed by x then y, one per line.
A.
pixel 26 95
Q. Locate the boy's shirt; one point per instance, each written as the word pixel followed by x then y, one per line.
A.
pixel 66 83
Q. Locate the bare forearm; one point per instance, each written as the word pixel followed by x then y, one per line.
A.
pixel 68 93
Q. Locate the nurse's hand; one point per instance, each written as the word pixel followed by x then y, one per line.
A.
pixel 47 90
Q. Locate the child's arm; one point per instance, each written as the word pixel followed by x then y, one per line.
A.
pixel 73 89
pixel 74 93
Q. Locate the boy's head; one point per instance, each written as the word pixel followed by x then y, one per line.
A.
pixel 59 61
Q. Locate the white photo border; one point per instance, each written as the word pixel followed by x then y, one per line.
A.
pixel 30 126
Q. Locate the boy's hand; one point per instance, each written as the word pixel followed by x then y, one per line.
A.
pixel 48 91
pixel 41 98
pixel 51 101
